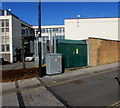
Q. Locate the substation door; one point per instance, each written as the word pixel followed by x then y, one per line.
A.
pixel 74 53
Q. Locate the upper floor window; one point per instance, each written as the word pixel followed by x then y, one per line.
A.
pixel 46 30
pixel 5 29
pixel 43 30
pixel 4 23
pixel 5 48
pixel 7 22
pixel 55 29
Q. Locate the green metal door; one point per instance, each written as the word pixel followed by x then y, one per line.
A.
pixel 74 53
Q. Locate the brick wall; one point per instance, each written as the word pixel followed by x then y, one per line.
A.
pixel 103 51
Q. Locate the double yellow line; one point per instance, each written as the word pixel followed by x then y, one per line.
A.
pixel 114 105
pixel 53 83
pixel 81 77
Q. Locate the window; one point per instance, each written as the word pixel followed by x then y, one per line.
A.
pixel 4 39
pixel 2 23
pixel 7 29
pixel 23 31
pixel 2 29
pixel 3 48
pixel 46 37
pixel 7 22
pixel 27 32
pixel 46 30
pixel 43 30
pixel 60 30
pixel 7 48
pixel 55 30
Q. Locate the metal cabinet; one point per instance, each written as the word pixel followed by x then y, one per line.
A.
pixel 53 63
pixel 74 53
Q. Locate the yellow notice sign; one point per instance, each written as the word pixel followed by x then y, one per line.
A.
pixel 76 51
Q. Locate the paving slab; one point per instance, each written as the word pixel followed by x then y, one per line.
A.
pixel 32 94
pixel 10 100
pixel 8 86
pixel 29 83
pixel 40 97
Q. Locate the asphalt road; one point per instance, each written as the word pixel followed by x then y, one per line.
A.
pixel 17 65
pixel 94 90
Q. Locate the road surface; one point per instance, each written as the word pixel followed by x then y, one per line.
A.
pixel 93 89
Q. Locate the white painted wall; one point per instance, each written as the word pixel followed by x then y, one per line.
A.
pixel 7 34
pixel 79 29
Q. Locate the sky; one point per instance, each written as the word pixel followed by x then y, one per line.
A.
pixel 54 13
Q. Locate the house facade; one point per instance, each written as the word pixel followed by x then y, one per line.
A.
pixel 11 31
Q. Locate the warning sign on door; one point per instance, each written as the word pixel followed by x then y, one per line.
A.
pixel 76 51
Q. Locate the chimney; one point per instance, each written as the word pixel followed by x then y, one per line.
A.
pixel 5 12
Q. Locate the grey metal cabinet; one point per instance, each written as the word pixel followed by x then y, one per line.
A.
pixel 53 63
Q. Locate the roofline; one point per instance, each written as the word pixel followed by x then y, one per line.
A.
pixel 91 18
pixel 103 39
pixel 11 14
pixel 49 26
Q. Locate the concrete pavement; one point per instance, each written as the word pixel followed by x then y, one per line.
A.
pixel 27 93
pixel 73 73
pixel 36 92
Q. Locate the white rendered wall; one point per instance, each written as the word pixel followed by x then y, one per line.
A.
pixel 8 34
pixel 79 29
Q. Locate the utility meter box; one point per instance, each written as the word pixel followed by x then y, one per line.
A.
pixel 53 63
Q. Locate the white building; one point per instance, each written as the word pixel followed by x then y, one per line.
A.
pixel 82 28
pixel 49 35
pixel 11 30
pixel 51 31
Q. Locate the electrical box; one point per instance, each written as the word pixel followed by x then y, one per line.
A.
pixel 74 53
pixel 53 63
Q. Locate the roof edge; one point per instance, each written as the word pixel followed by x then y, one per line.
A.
pixel 91 18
